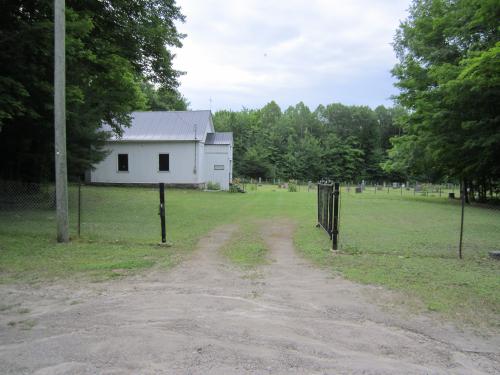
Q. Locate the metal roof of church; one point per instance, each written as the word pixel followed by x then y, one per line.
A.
pixel 223 138
pixel 168 126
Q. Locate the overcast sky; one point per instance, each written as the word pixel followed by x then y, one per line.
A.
pixel 245 53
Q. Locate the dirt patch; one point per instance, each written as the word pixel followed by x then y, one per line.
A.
pixel 209 317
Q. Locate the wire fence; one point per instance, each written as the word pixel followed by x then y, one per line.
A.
pixel 390 219
pixel 16 196
pixel 109 214
pixel 419 218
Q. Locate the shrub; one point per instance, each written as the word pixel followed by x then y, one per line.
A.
pixel 292 186
pixel 213 185
pixel 235 188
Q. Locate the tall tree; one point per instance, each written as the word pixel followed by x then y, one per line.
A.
pixel 448 77
pixel 162 98
pixel 112 46
pixel 335 141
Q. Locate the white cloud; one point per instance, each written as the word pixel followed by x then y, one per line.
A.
pixel 248 52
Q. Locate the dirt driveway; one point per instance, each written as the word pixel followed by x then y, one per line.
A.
pixel 209 317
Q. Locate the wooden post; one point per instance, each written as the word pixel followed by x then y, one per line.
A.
pixel 60 122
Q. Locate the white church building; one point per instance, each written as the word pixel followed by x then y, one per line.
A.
pixel 179 148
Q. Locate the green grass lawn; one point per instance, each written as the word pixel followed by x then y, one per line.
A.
pixel 407 243
pixel 246 248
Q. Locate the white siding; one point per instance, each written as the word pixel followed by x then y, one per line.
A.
pixel 143 163
pixel 218 155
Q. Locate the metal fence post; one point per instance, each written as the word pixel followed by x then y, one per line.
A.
pixel 330 199
pixel 79 207
pixel 319 217
pixel 324 217
pixel 162 212
pixel 335 231
pixel 462 197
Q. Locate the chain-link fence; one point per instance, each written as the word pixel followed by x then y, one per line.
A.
pixel 390 219
pixel 27 207
pixel 95 213
pixel 15 196
pixel 424 219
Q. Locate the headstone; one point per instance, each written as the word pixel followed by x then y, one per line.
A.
pixel 495 255
pixel 359 189
pixel 451 195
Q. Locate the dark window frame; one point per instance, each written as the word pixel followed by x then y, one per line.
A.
pixel 123 166
pixel 160 162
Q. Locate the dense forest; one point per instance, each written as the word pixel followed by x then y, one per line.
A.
pixel 336 141
pixel 445 125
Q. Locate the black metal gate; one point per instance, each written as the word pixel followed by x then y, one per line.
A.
pixel 328 210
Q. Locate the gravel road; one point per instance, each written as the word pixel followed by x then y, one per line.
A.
pixel 208 317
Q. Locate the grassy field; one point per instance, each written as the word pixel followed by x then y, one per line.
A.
pixel 407 243
pixel 246 248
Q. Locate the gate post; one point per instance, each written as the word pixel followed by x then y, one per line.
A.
pixel 335 229
pixel 162 213
pixel 318 204
pixel 330 199
pixel 79 207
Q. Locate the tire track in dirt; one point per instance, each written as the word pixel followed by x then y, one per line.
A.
pixel 207 316
pixel 338 312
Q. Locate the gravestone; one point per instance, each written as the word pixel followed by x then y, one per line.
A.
pixel 495 255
